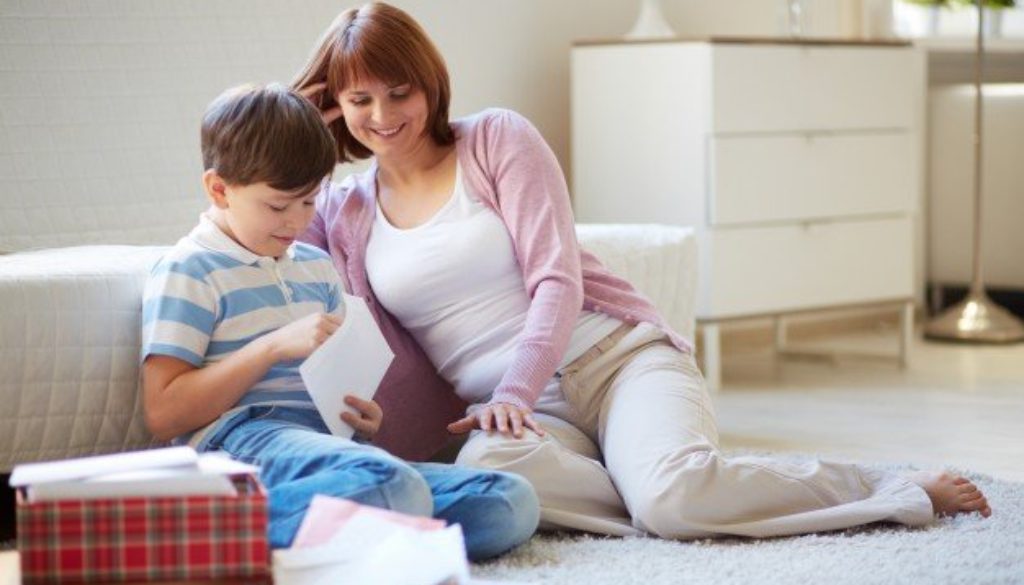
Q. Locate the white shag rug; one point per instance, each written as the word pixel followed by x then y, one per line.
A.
pixel 961 549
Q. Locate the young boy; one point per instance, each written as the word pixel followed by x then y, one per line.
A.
pixel 233 309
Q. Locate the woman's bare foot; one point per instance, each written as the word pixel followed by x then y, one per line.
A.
pixel 952 494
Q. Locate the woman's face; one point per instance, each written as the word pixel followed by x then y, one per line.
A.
pixel 389 120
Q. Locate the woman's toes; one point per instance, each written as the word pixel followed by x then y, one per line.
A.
pixel 967 488
pixel 975 504
pixel 961 480
pixel 970 497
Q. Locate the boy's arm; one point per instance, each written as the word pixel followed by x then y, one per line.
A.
pixel 179 397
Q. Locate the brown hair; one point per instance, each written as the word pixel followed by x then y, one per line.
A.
pixel 378 41
pixel 269 134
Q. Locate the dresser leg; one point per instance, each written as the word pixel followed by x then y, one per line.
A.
pixel 906 332
pixel 712 357
pixel 780 334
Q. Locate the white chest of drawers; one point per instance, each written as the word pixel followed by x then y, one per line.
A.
pixel 799 165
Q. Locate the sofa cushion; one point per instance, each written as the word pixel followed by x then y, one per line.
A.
pixel 69 351
pixel 71 323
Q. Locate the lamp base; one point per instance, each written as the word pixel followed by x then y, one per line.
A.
pixel 650 23
pixel 976 319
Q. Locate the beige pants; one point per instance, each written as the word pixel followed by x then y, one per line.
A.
pixel 642 404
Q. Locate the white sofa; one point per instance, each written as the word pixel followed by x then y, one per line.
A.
pixel 70 328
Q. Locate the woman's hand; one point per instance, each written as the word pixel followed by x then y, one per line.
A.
pixel 315 94
pixel 507 419
pixel 367 421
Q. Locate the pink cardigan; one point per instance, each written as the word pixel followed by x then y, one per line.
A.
pixel 506 162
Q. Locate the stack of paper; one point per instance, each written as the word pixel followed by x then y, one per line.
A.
pixel 174 471
pixel 342 542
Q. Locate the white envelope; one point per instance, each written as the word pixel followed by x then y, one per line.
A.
pixel 352 361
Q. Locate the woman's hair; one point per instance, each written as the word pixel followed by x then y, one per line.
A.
pixel 378 41
pixel 266 134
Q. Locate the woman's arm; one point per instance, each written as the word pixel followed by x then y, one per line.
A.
pixel 533 200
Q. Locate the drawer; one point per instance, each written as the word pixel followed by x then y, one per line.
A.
pixel 773 178
pixel 769 89
pixel 758 270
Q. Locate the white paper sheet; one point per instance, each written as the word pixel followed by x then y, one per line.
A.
pixel 148 483
pixel 413 558
pixel 381 553
pixel 175 471
pixel 71 469
pixel 366 545
pixel 352 361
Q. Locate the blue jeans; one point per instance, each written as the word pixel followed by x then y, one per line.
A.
pixel 299 458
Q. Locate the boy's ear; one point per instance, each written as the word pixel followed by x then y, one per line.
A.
pixel 215 187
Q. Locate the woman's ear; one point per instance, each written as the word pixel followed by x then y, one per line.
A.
pixel 216 189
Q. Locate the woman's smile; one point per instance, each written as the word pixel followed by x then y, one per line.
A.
pixel 387 132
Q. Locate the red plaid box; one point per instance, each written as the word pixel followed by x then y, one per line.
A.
pixel 145 539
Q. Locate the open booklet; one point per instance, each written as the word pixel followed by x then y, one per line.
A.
pixel 353 360
pixel 172 471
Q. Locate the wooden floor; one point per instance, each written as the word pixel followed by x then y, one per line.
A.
pixel 955 405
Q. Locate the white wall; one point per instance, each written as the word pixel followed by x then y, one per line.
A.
pixel 515 53
pixel 100 100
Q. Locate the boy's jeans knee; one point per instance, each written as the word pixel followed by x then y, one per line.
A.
pixel 298 462
pixel 299 458
pixel 497 511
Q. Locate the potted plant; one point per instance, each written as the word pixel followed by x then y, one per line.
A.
pixel 994 14
pixel 929 12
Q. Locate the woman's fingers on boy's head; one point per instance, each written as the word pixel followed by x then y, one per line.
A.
pixel 332 115
pixel 312 89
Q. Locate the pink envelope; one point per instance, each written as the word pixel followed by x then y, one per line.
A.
pixel 326 515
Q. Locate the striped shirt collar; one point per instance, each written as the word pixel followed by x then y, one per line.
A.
pixel 209 235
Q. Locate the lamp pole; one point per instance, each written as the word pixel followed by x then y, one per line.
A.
pixel 976 319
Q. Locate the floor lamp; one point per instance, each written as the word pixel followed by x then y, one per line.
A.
pixel 977 318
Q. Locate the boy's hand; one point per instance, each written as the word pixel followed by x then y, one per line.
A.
pixel 367 421
pixel 507 419
pixel 298 339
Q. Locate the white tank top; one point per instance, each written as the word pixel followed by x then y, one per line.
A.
pixel 455 284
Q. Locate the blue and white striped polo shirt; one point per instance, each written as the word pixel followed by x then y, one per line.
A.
pixel 209 296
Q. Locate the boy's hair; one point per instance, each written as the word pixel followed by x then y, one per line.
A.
pixel 267 134
pixel 378 41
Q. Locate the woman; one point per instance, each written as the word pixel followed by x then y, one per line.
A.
pixel 461 237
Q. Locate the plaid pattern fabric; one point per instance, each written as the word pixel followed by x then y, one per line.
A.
pixel 145 539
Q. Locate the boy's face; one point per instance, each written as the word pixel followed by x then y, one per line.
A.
pixel 262 219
